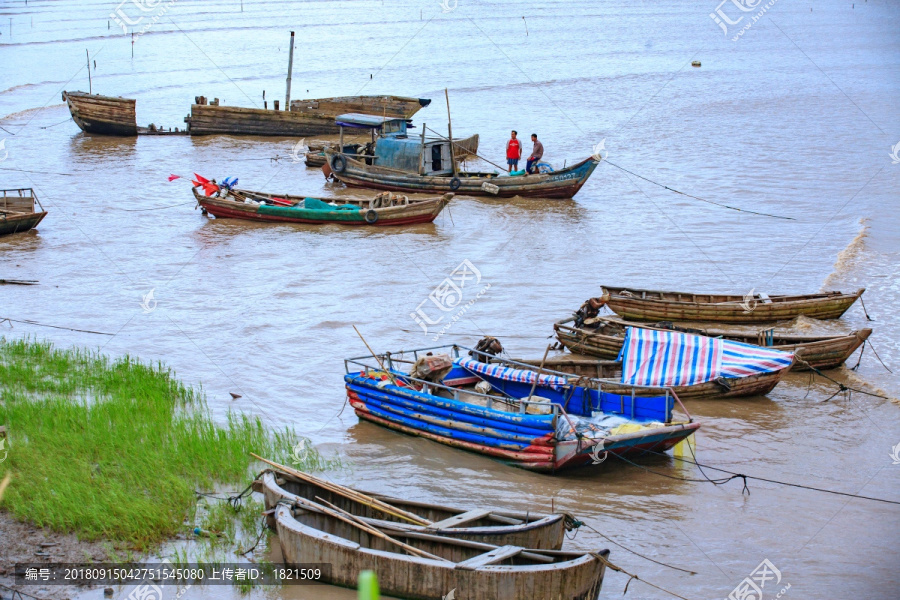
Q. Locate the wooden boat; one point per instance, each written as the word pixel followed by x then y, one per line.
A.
pixel 452 568
pixel 464 148
pixel 531 530
pixel 653 305
pixel 559 184
pixel 305 117
pixel 603 337
pixel 494 407
pixel 610 372
pixel 105 115
pixel 17 213
pixel 381 211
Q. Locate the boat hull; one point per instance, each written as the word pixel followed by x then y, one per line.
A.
pixel 533 531
pixel 666 306
pixel 827 352
pixel 309 538
pixel 425 211
pixel 611 371
pixel 104 115
pixel 521 440
pixel 18 223
pixel 562 184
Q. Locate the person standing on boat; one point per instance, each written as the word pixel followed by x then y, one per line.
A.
pixel 513 152
pixel 537 152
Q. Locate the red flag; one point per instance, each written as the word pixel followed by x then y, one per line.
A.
pixel 201 179
pixel 173 177
pixel 210 188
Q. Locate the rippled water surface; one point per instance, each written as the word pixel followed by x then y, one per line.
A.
pixel 796 118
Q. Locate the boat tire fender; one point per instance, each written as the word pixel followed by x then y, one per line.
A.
pixel 338 163
pixel 371 216
pixel 455 183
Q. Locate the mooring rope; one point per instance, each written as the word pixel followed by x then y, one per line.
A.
pixel 20 593
pixel 631 576
pixel 158 207
pixel 612 541
pixel 841 387
pixel 55 124
pixel 697 197
pixel 30 322
pixel 865 312
pixel 742 476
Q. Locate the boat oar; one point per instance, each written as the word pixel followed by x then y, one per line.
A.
pixel 346 517
pixel 348 493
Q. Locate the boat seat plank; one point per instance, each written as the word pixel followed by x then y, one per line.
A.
pixel 489 558
pixel 456 521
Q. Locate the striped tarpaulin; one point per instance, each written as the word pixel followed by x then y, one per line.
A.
pixel 670 358
pixel 509 374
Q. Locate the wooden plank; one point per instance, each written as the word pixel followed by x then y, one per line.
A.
pixel 489 558
pixel 458 520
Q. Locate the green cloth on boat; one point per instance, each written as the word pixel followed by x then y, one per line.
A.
pixel 319 211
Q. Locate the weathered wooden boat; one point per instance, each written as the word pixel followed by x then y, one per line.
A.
pixel 603 337
pixel 305 117
pixel 436 566
pixel 545 421
pixel 107 115
pixel 463 149
pixel 531 530
pixel 654 305
pixel 381 211
pixel 695 366
pixel 17 211
pixel 562 184
pixel 610 371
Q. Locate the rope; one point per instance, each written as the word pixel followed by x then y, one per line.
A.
pixel 859 360
pixel 55 124
pixel 20 593
pixel 30 322
pixel 865 312
pixel 745 478
pixel 262 532
pixel 610 540
pixel 698 198
pixel 631 576
pixel 841 387
pixel 879 358
pixel 156 208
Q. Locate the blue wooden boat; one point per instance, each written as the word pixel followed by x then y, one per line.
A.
pixel 521 414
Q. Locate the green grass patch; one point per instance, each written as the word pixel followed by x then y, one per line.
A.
pixel 115 448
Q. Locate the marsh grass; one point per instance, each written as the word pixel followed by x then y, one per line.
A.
pixel 115 449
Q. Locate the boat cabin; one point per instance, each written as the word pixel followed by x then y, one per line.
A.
pixel 394 149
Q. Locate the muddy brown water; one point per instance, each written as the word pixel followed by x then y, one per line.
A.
pixel 783 121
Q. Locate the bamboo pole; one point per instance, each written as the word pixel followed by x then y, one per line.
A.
pixel 450 133
pixel 540 369
pixel 348 493
pixel 287 95
pixel 90 85
pixel 375 356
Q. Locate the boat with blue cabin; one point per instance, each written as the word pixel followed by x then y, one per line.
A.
pixel 522 414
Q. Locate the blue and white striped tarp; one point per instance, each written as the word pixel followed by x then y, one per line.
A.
pixel 509 374
pixel 671 358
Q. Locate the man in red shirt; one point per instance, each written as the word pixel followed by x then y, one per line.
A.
pixel 513 152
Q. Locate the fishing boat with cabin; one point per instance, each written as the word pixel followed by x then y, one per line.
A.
pixel 489 526
pixel 385 209
pixel 423 566
pixel 524 415
pixel 603 337
pixel 654 305
pixel 17 211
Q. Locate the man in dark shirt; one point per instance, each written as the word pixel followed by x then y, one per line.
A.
pixel 537 152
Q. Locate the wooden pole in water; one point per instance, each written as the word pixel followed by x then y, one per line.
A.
pixel 450 133
pixel 422 153
pixel 287 96
pixel 537 377
pixel 90 85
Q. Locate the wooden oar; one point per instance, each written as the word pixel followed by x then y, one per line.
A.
pixel 346 517
pixel 348 493
pixel 375 356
